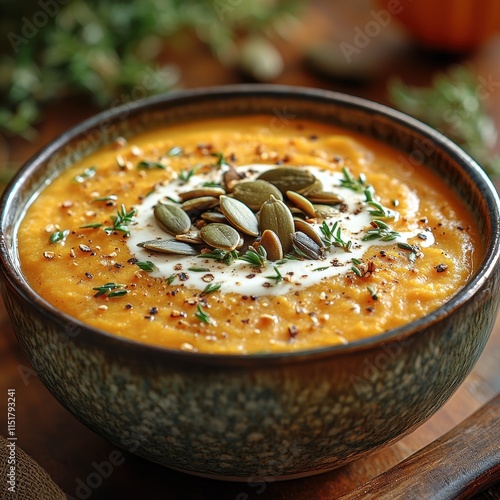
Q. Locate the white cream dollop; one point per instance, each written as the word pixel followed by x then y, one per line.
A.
pixel 240 277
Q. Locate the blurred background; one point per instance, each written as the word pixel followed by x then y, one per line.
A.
pixel 62 61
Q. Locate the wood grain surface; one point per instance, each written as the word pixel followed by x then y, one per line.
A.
pixel 71 453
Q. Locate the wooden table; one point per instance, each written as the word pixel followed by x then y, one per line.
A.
pixel 68 450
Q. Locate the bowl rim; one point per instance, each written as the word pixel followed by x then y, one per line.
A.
pixel 92 334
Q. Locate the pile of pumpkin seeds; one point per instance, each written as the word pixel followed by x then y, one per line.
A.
pixel 272 215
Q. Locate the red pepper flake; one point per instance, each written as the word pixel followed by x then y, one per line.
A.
pixel 153 310
pixel 133 260
pixel 441 268
pixel 128 306
pixel 84 248
pixel 89 276
pixel 293 331
pixel 183 276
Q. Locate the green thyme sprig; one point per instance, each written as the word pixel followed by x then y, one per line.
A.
pixel 333 236
pixel 147 266
pixel 350 182
pixel 110 290
pixel 277 277
pixel 413 251
pixel 256 257
pixel 121 220
pixel 380 231
pixel 355 267
pixel 185 174
pixel 225 256
pixel 378 209
pixel 221 159
pixel 211 288
pixel 202 315
pixel 111 197
pixel 58 236
pixel 150 165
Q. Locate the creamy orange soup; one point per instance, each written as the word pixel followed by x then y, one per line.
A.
pixel 390 243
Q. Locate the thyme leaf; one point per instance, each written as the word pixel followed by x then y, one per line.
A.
pixel 350 182
pixel 58 236
pixel 277 277
pixel 121 220
pixel 147 266
pixel 332 236
pixel 202 315
pixel 225 256
pixel 221 159
pixel 150 165
pixel 91 225
pixel 380 231
pixel 211 288
pixel 255 257
pixel 413 251
pixel 185 174
pixel 378 209
pixel 110 290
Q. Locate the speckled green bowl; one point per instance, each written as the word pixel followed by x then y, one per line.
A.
pixel 269 415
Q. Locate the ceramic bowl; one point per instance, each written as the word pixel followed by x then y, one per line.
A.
pixel 266 415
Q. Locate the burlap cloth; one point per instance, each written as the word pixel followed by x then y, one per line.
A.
pixel 32 482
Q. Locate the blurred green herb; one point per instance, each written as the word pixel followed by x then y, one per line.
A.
pixel 455 105
pixel 109 51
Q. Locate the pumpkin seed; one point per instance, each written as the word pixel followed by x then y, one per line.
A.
pixel 201 203
pixel 254 193
pixel 272 244
pixel 220 236
pixel 303 203
pixel 316 186
pixel 191 237
pixel 275 216
pixel 169 246
pixel 325 211
pixel 231 177
pixel 172 219
pixel 288 179
pixel 214 217
pixel 325 197
pixel 198 193
pixel 306 247
pixel 308 230
pixel 239 215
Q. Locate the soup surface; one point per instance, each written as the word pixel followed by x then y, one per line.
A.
pixel 242 236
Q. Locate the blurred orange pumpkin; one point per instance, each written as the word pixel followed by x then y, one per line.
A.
pixel 455 25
